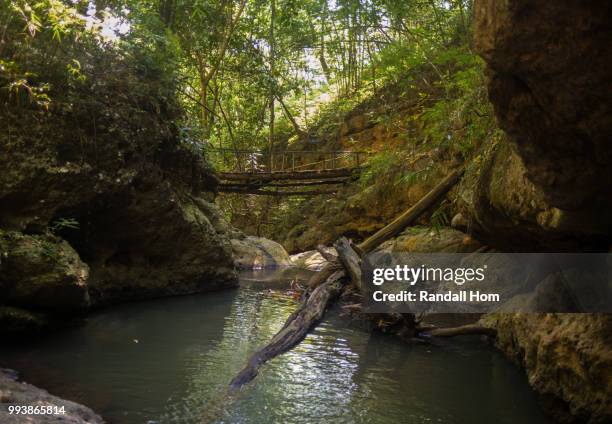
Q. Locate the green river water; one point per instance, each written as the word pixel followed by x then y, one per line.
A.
pixel 170 360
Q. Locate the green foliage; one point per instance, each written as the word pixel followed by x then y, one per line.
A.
pixel 463 117
pixel 439 218
pixel 101 97
pixel 330 115
pixel 64 223
pixel 378 166
pixel 30 26
pixel 203 72
pixel 18 244
pixel 392 170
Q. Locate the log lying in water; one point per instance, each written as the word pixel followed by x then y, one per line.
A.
pixel 463 330
pixel 320 277
pixel 328 283
pixel 295 328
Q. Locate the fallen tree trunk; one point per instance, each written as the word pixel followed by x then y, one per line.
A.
pixel 411 214
pixel 328 283
pixel 350 260
pixel 320 277
pixel 295 328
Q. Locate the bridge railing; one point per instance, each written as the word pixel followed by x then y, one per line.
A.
pixel 253 161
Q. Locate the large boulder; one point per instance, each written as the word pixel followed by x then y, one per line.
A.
pixel 42 272
pixel 15 322
pixel 107 169
pixel 253 252
pixel 499 203
pixel 548 76
pixel 430 240
pixel 156 241
pixel 312 259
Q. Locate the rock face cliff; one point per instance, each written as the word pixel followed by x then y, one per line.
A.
pixel 548 66
pixel 568 359
pixel 548 76
pixel 100 199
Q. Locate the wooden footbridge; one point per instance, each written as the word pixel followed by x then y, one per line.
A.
pixel 286 173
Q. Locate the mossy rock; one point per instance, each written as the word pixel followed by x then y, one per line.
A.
pixel 16 322
pixel 430 240
pixel 42 272
pixel 258 252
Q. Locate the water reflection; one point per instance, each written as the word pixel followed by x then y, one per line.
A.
pixel 170 361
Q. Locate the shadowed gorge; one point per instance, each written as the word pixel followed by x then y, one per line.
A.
pixel 249 157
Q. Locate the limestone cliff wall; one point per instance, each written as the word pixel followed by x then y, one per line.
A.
pixel 100 199
pixel 548 79
pixel 548 70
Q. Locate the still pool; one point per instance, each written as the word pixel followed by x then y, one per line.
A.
pixel 170 360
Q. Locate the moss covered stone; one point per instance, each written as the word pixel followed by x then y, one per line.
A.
pixel 42 272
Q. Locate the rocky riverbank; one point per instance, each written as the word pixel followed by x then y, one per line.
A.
pixel 567 357
pixel 547 82
pixel 16 393
pixel 102 200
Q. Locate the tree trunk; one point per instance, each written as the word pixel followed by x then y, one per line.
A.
pixel 272 88
pixel 206 77
pixel 327 284
pixel 350 260
pixel 411 214
pixel 300 132
pixel 295 328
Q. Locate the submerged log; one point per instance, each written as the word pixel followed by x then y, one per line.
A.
pixel 320 277
pixel 295 328
pixel 463 330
